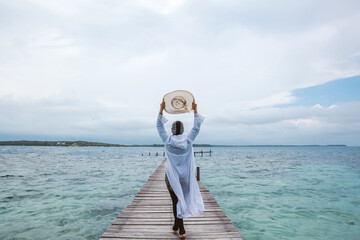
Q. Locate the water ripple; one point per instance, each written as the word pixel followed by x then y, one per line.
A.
pixel 268 193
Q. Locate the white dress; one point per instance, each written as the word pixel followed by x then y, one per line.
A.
pixel 180 167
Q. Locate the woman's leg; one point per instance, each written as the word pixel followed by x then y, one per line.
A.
pixel 179 223
pixel 174 201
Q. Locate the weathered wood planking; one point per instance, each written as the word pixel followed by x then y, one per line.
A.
pixel 149 216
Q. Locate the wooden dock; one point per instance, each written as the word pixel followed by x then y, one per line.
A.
pixel 149 216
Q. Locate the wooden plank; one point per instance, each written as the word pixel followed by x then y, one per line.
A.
pixel 149 215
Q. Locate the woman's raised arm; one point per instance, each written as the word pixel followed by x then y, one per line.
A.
pixel 160 123
pixel 198 119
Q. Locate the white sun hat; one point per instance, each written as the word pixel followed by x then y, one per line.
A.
pixel 179 101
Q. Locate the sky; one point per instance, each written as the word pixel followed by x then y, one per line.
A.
pixel 262 72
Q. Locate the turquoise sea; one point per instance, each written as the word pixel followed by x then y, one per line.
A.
pixel 267 192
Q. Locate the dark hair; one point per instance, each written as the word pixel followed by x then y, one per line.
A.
pixel 177 128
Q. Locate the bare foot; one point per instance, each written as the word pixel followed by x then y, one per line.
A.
pixel 175 231
pixel 182 236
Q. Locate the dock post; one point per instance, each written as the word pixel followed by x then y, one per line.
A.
pixel 198 173
pixel 210 152
pixel 202 153
pixel 163 153
pixel 157 154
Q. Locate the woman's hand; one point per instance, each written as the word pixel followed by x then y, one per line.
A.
pixel 194 106
pixel 162 107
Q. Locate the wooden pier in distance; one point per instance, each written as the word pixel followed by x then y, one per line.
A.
pixel 202 152
pixel 149 216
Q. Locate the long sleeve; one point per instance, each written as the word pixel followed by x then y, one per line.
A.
pixel 198 119
pixel 160 127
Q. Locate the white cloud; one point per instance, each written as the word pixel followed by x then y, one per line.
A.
pixel 116 59
pixel 163 7
pixel 49 38
pixel 118 123
pixel 305 123
pixel 140 63
pixel 318 106
pixel 274 100
pixel 67 7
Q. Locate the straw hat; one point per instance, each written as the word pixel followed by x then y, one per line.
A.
pixel 179 101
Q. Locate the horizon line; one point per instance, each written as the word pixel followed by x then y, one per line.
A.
pixel 17 142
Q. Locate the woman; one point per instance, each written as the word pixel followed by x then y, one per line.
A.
pixel 180 169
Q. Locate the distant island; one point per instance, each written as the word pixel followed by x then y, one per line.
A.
pixel 99 144
pixel 58 143
pixel 80 144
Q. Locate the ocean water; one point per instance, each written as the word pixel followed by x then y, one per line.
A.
pixel 267 192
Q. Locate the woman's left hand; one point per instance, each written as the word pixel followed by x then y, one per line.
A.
pixel 162 106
